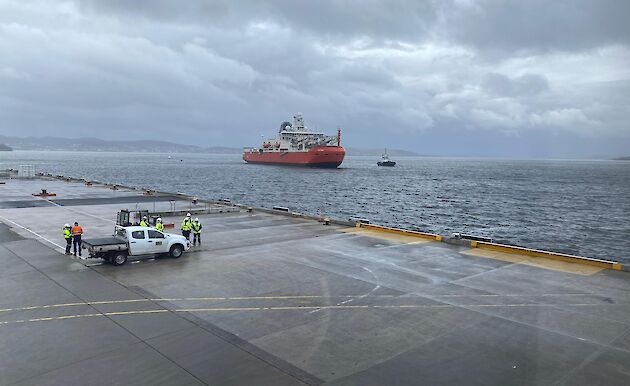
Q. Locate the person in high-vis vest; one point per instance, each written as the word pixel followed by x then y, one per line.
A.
pixel 67 234
pixel 196 229
pixel 77 231
pixel 159 225
pixel 143 222
pixel 186 226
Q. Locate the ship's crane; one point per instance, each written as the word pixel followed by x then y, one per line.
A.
pixel 284 125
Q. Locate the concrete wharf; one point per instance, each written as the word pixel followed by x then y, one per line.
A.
pixel 275 298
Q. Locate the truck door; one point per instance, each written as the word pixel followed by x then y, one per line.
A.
pixel 138 244
pixel 156 241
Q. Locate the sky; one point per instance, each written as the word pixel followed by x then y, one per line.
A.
pixel 517 79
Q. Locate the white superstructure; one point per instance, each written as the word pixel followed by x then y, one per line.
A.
pixel 296 137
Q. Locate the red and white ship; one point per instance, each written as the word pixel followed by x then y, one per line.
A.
pixel 295 145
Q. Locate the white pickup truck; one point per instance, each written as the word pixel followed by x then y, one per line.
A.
pixel 135 241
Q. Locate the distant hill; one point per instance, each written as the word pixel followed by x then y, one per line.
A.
pixel 149 146
pixel 95 144
pixel 379 152
pixel 222 150
pixel 4 147
pixel 622 158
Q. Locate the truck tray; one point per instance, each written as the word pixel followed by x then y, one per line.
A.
pixel 102 242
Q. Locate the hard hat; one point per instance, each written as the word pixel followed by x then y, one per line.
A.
pixel 187 214
pixel 159 219
pixel 67 226
pixel 144 217
pixel 196 219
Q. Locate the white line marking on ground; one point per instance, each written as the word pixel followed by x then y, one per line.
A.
pixel 78 211
pixel 33 232
pixel 376 287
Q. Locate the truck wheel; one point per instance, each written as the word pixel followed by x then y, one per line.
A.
pixel 176 251
pixel 118 258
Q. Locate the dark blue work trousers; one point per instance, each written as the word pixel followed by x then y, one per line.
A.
pixel 76 242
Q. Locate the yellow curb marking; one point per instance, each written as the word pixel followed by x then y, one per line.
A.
pixel 539 262
pixel 385 236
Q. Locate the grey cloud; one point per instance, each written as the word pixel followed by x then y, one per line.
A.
pixel 525 85
pixel 532 26
pixel 161 10
pixel 413 74
pixel 487 25
pixel 357 75
pixel 392 19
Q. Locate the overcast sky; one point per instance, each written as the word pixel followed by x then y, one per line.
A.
pixel 530 78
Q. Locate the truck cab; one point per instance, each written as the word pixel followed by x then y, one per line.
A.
pixel 145 240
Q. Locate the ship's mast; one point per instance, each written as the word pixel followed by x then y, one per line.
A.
pixel 298 122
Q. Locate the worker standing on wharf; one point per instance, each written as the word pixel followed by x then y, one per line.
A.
pixel 143 222
pixel 196 228
pixel 77 231
pixel 158 224
pixel 67 234
pixel 186 226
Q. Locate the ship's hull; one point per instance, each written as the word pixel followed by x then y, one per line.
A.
pixel 319 156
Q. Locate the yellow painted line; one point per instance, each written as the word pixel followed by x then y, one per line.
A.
pixel 281 297
pixel 76 316
pixel 41 307
pixel 63 317
pixel 278 297
pixel 533 305
pixel 81 304
pixel 219 309
pixel 336 307
pixel 101 302
pixel 404 232
pixel 416 306
pixel 546 254
pixel 160 311
pixel 296 308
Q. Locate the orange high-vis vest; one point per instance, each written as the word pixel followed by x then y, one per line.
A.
pixel 77 230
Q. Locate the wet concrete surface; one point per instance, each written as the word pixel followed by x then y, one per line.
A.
pixel 270 299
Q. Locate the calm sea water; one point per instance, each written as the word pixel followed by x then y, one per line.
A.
pixel 578 207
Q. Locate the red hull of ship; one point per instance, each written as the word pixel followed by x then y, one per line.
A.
pixel 319 156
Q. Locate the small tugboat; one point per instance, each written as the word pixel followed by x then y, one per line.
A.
pixel 385 161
